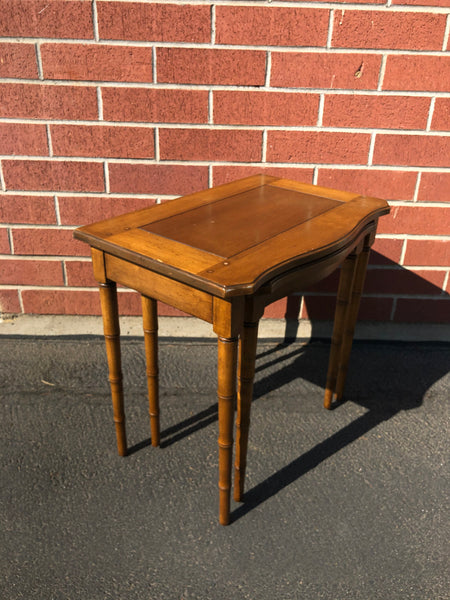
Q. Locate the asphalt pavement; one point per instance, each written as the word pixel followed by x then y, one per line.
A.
pixel 344 504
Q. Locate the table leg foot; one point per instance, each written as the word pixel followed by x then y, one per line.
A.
pixel 350 321
pixel 108 299
pixel 346 280
pixel 150 322
pixel 226 392
pixel 246 374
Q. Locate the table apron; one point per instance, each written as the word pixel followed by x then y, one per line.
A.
pixel 151 284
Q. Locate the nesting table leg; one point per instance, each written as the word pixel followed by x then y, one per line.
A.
pixel 108 299
pixel 150 322
pixel 226 392
pixel 246 374
pixel 350 321
pixel 344 296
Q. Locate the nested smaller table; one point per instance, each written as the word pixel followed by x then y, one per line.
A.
pixel 223 255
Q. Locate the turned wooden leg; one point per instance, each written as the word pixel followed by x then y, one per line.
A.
pixel 150 319
pixel 108 299
pixel 342 305
pixel 350 320
pixel 246 374
pixel 226 392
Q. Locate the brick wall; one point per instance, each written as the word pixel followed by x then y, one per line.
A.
pixel 107 106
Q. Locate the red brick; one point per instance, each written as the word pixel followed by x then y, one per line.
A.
pixel 47 242
pixel 322 308
pixel 389 185
pixel 386 251
pixel 23 138
pixel 46 18
pixel 211 66
pixel 325 70
pixel 441 114
pixel 103 140
pixel 79 210
pixel 75 302
pixel 80 274
pixel 96 62
pixel 4 242
pixel 434 187
pixel 317 147
pixel 155 105
pixel 412 150
pixel 153 22
pixel 27 209
pixel 226 174
pixel 250 25
pixel 387 112
pixel 417 73
pixel 416 220
pixel 276 310
pixel 157 179
pixel 401 281
pixel 53 175
pixel 387 29
pixel 412 310
pixel 422 2
pixel 428 253
pixel 31 272
pixel 265 108
pixel 61 302
pixel 18 60
pixel 9 301
pixel 209 144
pixel 31 101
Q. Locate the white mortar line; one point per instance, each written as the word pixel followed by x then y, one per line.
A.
pixel 99 104
pixel 210 107
pixel 213 24
pixel 154 67
pixel 430 114
pixel 382 72
pixel 330 28
pixel 446 280
pixel 49 140
pixel 148 85
pixel 417 187
pixel 10 240
pixel 2 180
pixel 264 146
pixel 320 110
pixel 315 175
pixel 106 175
pixel 157 154
pixel 268 69
pixel 446 34
pixel 403 252
pixel 64 272
pixel 95 20
pixel 57 213
pixel 371 149
pixel 39 61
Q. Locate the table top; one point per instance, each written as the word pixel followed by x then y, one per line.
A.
pixel 231 239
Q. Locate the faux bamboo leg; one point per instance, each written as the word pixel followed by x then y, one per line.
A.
pixel 227 359
pixel 246 374
pixel 108 299
pixel 150 319
pixel 350 320
pixel 342 304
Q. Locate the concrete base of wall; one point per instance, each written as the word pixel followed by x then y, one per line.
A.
pixel 182 327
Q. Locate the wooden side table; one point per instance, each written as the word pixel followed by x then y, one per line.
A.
pixel 223 255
